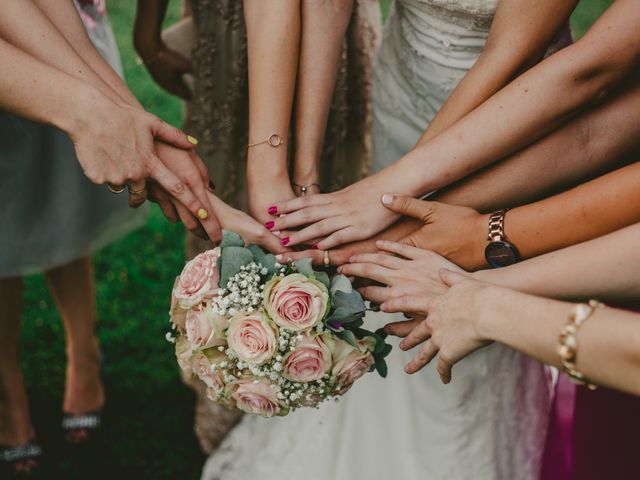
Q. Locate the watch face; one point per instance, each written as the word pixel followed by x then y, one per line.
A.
pixel 501 254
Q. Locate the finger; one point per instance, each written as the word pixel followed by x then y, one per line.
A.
pixel 401 329
pixel 336 257
pixel 444 369
pixel 168 210
pixel 422 358
pixel 450 278
pixel 172 135
pixel 183 194
pixel 338 237
pixel 270 242
pixel 298 203
pixel 401 249
pixel 375 294
pixel 137 193
pixel 199 164
pixel 366 270
pixel 189 221
pixel 325 227
pixel 382 259
pixel 409 206
pixel 419 334
pixel 407 303
pixel 306 216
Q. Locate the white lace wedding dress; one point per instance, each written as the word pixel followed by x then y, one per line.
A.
pixel 490 422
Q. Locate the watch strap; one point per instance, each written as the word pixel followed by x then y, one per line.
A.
pixel 496 226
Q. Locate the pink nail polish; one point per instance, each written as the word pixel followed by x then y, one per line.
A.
pixel 284 241
pixel 269 225
pixel 272 210
pixel 314 246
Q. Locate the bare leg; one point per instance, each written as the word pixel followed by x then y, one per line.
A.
pixel 273 39
pixel 324 23
pixel 594 143
pixel 73 288
pixel 15 424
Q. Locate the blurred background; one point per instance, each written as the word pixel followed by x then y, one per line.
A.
pixel 148 425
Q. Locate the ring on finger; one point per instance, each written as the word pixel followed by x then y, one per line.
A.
pixel 115 188
pixel 326 260
pixel 136 192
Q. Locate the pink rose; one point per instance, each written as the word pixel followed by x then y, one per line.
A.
pixel 296 302
pixel 253 396
pixel 199 326
pixel 184 352
pixel 310 360
pixel 351 363
pixel 252 338
pixel 201 366
pixel 198 279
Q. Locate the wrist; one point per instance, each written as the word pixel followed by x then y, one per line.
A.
pixel 84 100
pixel 479 235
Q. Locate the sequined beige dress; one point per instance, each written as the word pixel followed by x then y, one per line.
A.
pixel 218 117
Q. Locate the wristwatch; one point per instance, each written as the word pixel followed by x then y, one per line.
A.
pixel 499 252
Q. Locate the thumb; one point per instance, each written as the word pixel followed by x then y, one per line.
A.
pixel 408 206
pixel 450 278
pixel 172 135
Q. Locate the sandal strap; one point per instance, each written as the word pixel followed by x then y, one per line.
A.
pixel 22 452
pixel 75 422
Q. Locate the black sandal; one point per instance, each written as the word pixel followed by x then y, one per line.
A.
pixel 81 429
pixel 22 461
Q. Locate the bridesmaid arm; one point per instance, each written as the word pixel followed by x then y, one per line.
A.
pixel 325 23
pixel 520 35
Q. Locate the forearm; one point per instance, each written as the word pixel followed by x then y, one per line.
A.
pixel 147 31
pixel 608 342
pixel 607 268
pixel 527 109
pixel 325 23
pixel 273 36
pixel 64 17
pixel 518 38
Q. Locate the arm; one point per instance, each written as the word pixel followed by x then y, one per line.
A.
pixel 519 36
pixel 165 66
pixel 528 108
pixel 273 40
pixel 325 23
pixel 471 314
pixel 607 268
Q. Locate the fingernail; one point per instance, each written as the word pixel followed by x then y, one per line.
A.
pixel 279 258
pixel 314 246
pixel 272 210
pixel 339 270
pixel 192 140
pixel 269 225
pixel 212 186
pixel 277 233
pixel 387 199
pixel 284 241
pixel 203 214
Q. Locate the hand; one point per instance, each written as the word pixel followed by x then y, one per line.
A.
pixel 167 67
pixel 352 214
pixel 451 326
pixel 263 194
pixel 417 273
pixel 191 172
pixel 457 233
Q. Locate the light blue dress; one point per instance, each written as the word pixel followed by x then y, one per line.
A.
pixel 50 213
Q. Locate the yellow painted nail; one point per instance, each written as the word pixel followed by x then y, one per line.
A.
pixel 203 214
pixel 193 140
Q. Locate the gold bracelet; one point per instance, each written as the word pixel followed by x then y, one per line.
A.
pixel 568 342
pixel 274 140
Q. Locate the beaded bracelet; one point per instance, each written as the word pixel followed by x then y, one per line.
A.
pixel 568 343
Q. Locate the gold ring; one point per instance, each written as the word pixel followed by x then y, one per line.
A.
pixel 115 188
pixel 326 260
pixel 137 192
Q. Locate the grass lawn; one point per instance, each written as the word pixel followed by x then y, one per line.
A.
pixel 148 425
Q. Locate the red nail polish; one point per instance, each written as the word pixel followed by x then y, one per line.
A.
pixel 314 246
pixel 269 225
pixel 284 241
pixel 211 187
pixel 272 210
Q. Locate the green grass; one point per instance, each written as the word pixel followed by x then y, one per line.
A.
pixel 148 428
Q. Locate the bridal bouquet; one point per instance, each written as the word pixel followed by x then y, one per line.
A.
pixel 268 338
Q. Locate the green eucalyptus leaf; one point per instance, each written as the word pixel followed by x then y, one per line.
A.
pixel 340 283
pixel 349 337
pixel 304 267
pixel 232 259
pixel 381 367
pixel 231 239
pixel 267 260
pixel 352 301
pixel 323 278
